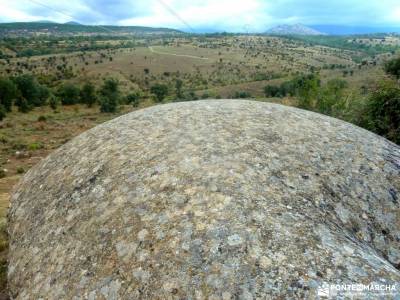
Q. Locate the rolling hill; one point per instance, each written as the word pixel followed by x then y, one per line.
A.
pixel 25 29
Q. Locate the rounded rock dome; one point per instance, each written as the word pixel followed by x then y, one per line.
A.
pixel 216 199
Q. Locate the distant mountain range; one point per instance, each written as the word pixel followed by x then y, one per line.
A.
pixel 21 29
pixel 297 29
pixel 75 28
pixel 348 30
pixel 300 29
pixel 52 22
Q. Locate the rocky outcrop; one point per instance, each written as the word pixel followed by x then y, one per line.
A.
pixel 219 199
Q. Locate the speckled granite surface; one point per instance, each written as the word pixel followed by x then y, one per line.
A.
pixel 219 199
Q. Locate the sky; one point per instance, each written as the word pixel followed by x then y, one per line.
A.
pixel 206 15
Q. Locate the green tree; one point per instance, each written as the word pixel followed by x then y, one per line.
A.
pixel 382 111
pixel 29 90
pixel 109 96
pixel 133 98
pixel 8 92
pixel 331 99
pixel 69 94
pixel 272 91
pixel 306 89
pixel 43 95
pixel 88 94
pixel 22 104
pixel 54 102
pixel 392 67
pixel 160 91
pixel 178 88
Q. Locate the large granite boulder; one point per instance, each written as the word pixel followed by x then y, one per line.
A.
pixel 219 199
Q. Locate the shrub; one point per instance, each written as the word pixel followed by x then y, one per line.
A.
pixel 392 67
pixel 110 96
pixel 133 98
pixel 54 102
pixel 20 170
pixel 331 100
pixel 242 95
pixel 30 90
pixel 88 94
pixel 160 91
pixel 23 105
pixel 35 146
pixel 382 111
pixel 306 89
pixel 272 91
pixel 44 94
pixel 69 94
pixel 8 92
pixel 178 88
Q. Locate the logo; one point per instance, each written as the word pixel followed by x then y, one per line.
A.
pixel 323 291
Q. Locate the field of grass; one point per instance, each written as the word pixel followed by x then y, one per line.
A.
pixel 201 63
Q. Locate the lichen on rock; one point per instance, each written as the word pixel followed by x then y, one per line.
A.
pixel 216 199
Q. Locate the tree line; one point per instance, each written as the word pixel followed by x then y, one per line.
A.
pixel 25 93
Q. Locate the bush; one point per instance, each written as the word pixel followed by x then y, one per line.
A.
pixel 35 146
pixel 242 95
pixel 23 105
pixel 44 94
pixel 160 91
pixel 178 88
pixel 8 92
pixel 69 94
pixel 88 94
pixel 110 96
pixel 20 170
pixel 330 99
pixel 392 67
pixel 54 102
pixel 382 111
pixel 133 99
pixel 306 89
pixel 30 90
pixel 272 91
pixel 286 88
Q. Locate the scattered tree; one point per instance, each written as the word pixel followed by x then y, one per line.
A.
pixel 133 98
pixel 8 92
pixel 88 94
pixel 69 94
pixel 392 67
pixel 109 99
pixel 160 91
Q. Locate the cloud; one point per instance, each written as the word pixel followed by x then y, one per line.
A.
pixel 234 15
pixel 229 15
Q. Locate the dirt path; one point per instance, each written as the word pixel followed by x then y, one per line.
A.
pixel 174 54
